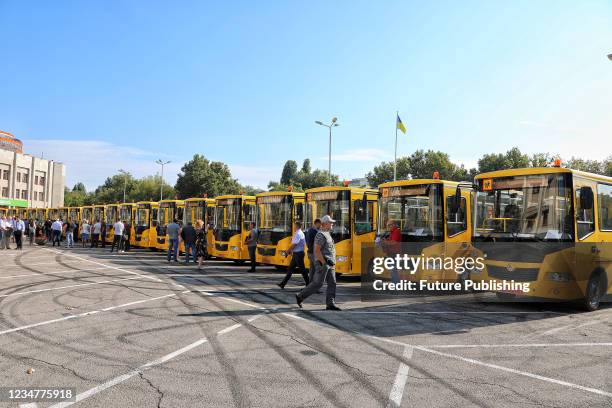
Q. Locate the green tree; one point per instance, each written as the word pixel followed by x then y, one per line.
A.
pixel 290 171
pixel 148 189
pixel 112 190
pixel 512 159
pixel 541 160
pixel 250 190
pixel 592 166
pixel 200 176
pixel 306 167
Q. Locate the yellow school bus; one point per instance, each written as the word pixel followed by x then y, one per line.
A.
pixel 233 217
pixel 63 213
pixel 21 212
pixel 39 214
pixel 550 228
pixel 53 214
pixel 277 213
pixel 111 216
pixel 74 214
pixel 98 214
pixel 431 218
pixel 169 210
pixel 201 209
pixel 355 211
pixel 145 224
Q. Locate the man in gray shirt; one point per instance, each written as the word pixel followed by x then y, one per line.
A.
pixel 325 263
pixel 172 230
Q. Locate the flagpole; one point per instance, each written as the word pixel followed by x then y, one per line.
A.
pixel 395 159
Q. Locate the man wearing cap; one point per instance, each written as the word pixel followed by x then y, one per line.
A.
pixel 325 262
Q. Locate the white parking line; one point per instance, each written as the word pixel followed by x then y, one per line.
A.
pixel 436 312
pixel 122 378
pixel 570 327
pixel 53 273
pixel 69 286
pixel 397 391
pixel 101 264
pixel 449 346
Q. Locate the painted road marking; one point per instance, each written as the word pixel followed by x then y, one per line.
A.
pixel 397 391
pixel 69 286
pixel 122 378
pixel 101 264
pixel 53 273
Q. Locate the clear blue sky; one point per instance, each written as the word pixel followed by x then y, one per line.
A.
pixel 103 85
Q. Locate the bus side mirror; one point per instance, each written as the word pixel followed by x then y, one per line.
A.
pixel 586 198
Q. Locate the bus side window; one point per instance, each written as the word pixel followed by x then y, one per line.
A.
pixel 299 212
pixel 584 211
pixel 456 222
pixel 604 198
pixel 154 218
pixel 248 216
pixel 364 216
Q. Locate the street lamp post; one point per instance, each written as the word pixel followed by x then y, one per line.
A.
pixel 161 187
pixel 334 123
pixel 125 174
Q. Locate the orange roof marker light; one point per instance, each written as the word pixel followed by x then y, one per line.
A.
pixel 436 175
pixel 289 188
pixel 557 163
pixel 345 183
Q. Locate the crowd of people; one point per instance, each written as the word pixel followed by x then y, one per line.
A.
pixel 317 243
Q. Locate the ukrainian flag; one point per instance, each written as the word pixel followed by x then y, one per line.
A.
pixel 400 125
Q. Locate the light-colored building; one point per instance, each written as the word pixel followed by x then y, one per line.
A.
pixel 28 181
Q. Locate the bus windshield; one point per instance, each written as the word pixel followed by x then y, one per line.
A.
pixel 531 207
pixel 111 215
pixel 194 211
pixel 335 204
pixel 274 218
pixel 97 215
pixel 167 212
pixel 416 210
pixel 228 215
pixel 126 213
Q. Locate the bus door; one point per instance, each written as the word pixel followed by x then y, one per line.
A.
pixel 365 209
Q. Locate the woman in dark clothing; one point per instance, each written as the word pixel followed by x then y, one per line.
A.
pixel 200 242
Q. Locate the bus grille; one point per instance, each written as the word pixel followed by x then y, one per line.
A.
pixel 518 275
pixel 221 247
pixel 266 251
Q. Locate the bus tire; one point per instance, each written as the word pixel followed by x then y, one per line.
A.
pixel 239 261
pixel 281 268
pixel 594 291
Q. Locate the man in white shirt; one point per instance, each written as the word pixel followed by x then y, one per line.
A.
pixel 95 235
pixel 56 230
pixel 118 226
pixel 297 259
pixel 85 229
pixel 2 232
pixel 18 231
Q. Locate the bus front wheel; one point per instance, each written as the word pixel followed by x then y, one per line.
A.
pixel 594 291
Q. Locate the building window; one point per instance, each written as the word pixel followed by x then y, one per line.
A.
pixel 41 196
pixel 5 174
pixel 25 178
pixel 36 196
pixel 24 194
pixel 17 193
pixel 5 192
pixel 42 180
pixel 36 180
pixel 18 177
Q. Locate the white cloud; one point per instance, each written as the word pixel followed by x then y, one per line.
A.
pixel 91 161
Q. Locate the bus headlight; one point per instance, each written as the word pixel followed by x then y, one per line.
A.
pixel 559 276
pixel 283 253
pixel 235 248
pixel 341 258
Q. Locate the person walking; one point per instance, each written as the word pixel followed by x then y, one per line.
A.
pixel 118 227
pixel 188 235
pixel 8 234
pixel 95 234
pixel 103 234
pixel 172 230
pixel 56 230
pixel 325 261
pixel 32 231
pixel 70 227
pixel 296 249
pixel 19 231
pixel 200 243
pixel 309 237
pixel 251 242
pixel 48 230
pixel 85 231
pixel 127 235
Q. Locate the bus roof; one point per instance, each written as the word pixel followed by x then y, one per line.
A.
pixel 223 197
pixel 415 182
pixel 341 188
pixel 541 170
pixel 198 199
pixel 146 202
pixel 280 193
pixel 172 201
